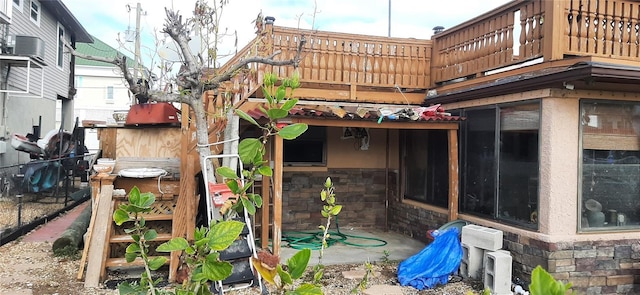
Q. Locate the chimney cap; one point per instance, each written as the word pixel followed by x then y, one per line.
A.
pixel 270 19
pixel 438 29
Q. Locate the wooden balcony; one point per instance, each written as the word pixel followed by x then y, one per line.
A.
pixel 525 30
pixel 522 32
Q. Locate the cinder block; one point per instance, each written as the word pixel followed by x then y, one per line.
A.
pixel 471 264
pixel 482 237
pixel 497 272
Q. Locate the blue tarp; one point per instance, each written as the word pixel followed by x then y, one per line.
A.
pixel 434 264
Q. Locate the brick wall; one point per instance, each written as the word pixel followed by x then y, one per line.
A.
pixel 597 267
pixel 361 192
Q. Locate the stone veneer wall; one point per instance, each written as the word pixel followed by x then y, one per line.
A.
pixel 598 267
pixel 361 192
pixel 408 219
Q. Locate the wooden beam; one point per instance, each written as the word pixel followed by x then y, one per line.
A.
pixel 554 26
pixel 453 175
pixel 371 124
pixel 100 237
pixel 350 94
pixel 184 215
pixel 266 203
pixel 277 196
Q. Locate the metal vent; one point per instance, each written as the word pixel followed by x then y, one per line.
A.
pixel 30 46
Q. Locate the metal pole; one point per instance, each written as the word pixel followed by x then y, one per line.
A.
pixel 137 48
pixel 389 32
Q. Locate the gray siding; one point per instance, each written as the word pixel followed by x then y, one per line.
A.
pixel 22 112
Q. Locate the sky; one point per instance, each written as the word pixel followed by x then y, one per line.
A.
pixel 109 19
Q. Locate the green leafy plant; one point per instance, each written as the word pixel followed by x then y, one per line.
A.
pixel 252 150
pixel 282 276
pixel 385 256
pixel 201 257
pixel 132 212
pixel 362 285
pixel 542 283
pixel 329 210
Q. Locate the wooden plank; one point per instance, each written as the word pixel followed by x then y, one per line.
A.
pixel 99 237
pixel 277 196
pixel 85 250
pixel 266 204
pixel 184 215
pixel 371 124
pixel 453 175
pixel 171 165
pixel 107 138
pixel 169 187
pixel 148 142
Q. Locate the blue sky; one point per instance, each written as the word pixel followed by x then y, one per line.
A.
pixel 409 18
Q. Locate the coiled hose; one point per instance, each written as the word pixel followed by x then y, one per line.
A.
pixel 313 240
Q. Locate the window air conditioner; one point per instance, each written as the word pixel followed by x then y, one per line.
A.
pixel 30 46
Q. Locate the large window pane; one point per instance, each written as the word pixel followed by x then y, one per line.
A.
pixel 478 156
pixel 610 165
pixel 518 165
pixel 426 174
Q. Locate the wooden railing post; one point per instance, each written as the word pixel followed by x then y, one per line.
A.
pixel 554 27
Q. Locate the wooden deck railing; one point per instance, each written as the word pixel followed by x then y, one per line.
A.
pixel 524 30
pixel 517 32
pixel 339 58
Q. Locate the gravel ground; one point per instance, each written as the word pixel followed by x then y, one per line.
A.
pixel 29 268
pixel 32 266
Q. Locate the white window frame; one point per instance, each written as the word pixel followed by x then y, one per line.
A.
pixel 39 12
pixel 60 46
pixel 19 5
pixel 109 94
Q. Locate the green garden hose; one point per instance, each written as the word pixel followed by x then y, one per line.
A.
pixel 313 240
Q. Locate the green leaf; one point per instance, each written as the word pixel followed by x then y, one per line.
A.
pixel 267 96
pixel 327 182
pixel 265 171
pixel 133 248
pixel 175 244
pixel 306 289
pixel 336 210
pixel 285 277
pixel 298 263
pixel 249 206
pixel 130 257
pixel 157 262
pixel 227 172
pixel 233 186
pixel 281 93
pixel 256 199
pixel 222 234
pixel 248 148
pixel 120 216
pixel 216 270
pixel 150 235
pixel 246 117
pixel 275 114
pixel 289 104
pixel 292 131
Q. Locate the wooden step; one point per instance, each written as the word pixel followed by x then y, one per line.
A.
pixel 157 217
pixel 122 262
pixel 128 239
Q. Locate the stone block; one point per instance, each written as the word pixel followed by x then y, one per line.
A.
pixel 472 262
pixel 497 272
pixel 619 280
pixel 482 237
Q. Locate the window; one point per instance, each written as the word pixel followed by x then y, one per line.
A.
pixel 425 158
pixel 18 4
pixel 60 46
pixel 610 165
pixel 500 163
pixel 35 12
pixel 308 149
pixel 110 94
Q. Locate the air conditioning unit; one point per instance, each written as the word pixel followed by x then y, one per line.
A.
pixel 29 46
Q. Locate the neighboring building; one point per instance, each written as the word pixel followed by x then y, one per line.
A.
pixel 37 71
pixel 101 88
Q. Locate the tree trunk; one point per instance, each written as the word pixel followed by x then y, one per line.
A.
pixel 72 236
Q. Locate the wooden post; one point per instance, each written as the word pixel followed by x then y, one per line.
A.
pixel 554 27
pixel 184 215
pixel 453 174
pixel 266 204
pixel 277 196
pixel 98 245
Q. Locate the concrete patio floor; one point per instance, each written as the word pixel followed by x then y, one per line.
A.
pixel 358 250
